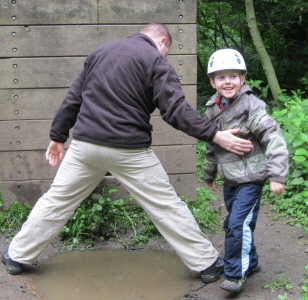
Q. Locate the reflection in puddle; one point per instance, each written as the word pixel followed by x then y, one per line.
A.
pixel 113 275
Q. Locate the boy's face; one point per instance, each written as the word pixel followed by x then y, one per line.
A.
pixel 227 83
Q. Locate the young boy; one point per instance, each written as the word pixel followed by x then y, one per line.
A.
pixel 235 106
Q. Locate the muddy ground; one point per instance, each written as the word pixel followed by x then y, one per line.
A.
pixel 283 250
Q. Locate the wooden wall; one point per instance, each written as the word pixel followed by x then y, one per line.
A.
pixel 43 47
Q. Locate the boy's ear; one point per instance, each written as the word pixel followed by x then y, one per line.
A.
pixel 212 83
pixel 243 77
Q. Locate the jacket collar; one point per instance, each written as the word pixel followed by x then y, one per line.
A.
pixel 245 89
pixel 141 36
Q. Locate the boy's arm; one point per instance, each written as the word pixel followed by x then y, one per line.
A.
pixel 269 133
pixel 210 165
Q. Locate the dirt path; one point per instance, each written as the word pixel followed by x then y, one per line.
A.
pixel 282 249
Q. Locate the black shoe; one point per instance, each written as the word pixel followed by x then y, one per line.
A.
pixel 213 272
pixel 256 269
pixel 13 267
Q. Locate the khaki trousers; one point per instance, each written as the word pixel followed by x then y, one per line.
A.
pixel 141 173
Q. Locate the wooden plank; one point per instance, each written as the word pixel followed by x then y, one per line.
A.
pixel 31 190
pixel 19 104
pixel 31 165
pixel 34 134
pixel 96 12
pixel 30 104
pixel 164 134
pixel 80 40
pixel 58 72
pixel 24 135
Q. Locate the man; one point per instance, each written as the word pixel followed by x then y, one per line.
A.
pixel 109 105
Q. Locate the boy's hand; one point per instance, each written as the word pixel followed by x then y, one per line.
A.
pixel 276 187
pixel 54 153
pixel 227 140
pixel 211 185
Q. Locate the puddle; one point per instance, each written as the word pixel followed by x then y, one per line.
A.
pixel 113 274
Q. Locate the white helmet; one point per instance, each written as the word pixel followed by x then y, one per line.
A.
pixel 226 59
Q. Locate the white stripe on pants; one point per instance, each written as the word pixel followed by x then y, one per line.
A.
pixel 141 173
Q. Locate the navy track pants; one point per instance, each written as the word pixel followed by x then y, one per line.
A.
pixel 243 205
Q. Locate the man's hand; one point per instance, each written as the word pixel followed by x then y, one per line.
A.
pixel 227 140
pixel 54 153
pixel 276 188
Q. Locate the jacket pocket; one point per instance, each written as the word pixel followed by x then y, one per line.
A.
pixel 232 171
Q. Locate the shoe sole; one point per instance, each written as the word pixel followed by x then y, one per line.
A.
pixel 230 290
pixel 211 278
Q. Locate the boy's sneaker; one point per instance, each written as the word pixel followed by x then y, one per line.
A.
pixel 233 285
pixel 213 272
pixel 13 267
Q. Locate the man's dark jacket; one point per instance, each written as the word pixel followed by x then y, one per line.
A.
pixel 111 100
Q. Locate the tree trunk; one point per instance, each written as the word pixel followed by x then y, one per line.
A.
pixel 262 53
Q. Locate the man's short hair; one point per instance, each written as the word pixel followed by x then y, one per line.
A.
pixel 158 30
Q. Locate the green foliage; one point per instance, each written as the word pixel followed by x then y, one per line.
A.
pixel 202 209
pixel 304 290
pixel 282 282
pixel 259 90
pixel 282 25
pixel 200 149
pixel 12 217
pixel 293 120
pixel 101 217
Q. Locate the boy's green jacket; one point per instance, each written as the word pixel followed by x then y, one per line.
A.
pixel 269 157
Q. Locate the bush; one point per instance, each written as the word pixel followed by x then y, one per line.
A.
pixel 13 217
pixel 293 120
